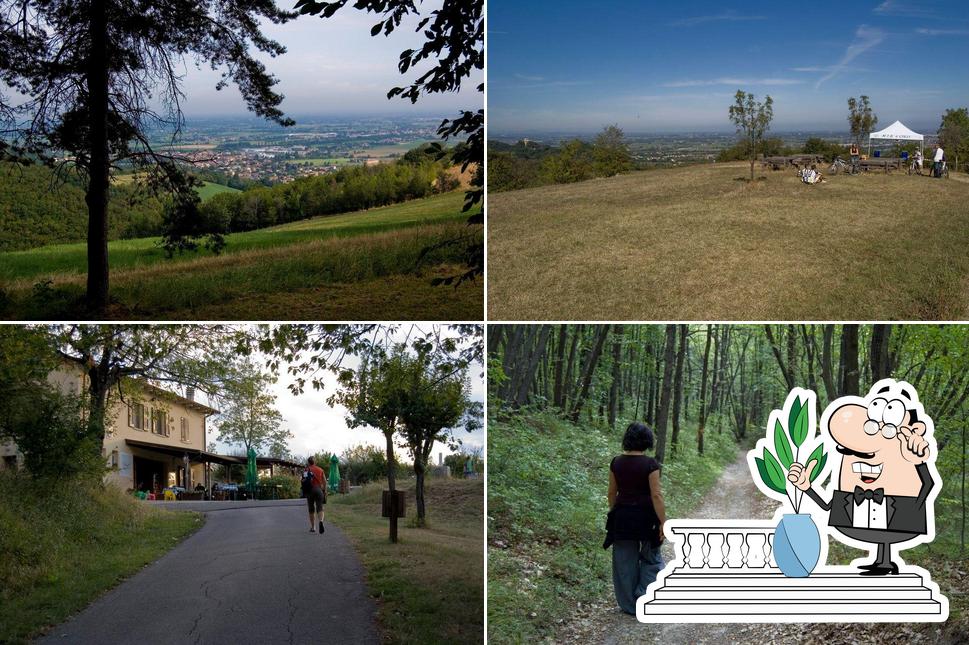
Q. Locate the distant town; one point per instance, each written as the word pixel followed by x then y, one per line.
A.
pixel 248 150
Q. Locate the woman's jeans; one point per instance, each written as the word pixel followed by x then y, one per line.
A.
pixel 634 566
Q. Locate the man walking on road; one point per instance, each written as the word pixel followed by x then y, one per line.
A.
pixel 312 485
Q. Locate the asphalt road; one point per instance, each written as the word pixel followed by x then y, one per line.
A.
pixel 250 574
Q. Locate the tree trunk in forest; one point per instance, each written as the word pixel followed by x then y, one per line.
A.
pixel 663 415
pixel 678 387
pixel 495 334
pixel 590 365
pixel 879 358
pixel 827 363
pixel 849 360
pixel 509 361
pixel 569 370
pixel 701 426
pixel 96 197
pixel 557 391
pixel 615 387
pixel 807 332
pixel 786 369
pixel 534 357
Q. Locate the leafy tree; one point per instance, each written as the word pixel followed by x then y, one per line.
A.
pixel 249 416
pixel 861 118
pixel 364 463
pixel 116 358
pixel 454 44
pixel 572 163
pixel 434 400
pixel 752 119
pixel 90 78
pixel 611 152
pixel 954 133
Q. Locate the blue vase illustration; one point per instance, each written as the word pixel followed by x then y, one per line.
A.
pixel 797 545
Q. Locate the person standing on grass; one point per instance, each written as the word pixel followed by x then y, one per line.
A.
pixel 937 161
pixel 634 527
pixel 312 485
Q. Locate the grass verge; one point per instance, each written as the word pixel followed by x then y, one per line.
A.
pixel 547 484
pixel 696 243
pixel 430 585
pixel 60 550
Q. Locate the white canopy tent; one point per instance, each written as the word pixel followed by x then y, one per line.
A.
pixel 897 132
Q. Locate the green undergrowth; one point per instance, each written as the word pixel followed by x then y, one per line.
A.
pixel 547 485
pixel 63 545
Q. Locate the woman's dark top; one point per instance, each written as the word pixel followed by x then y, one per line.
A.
pixel 633 517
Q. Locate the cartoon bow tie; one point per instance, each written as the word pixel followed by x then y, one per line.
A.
pixel 861 495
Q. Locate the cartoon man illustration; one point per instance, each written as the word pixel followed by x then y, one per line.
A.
pixel 881 493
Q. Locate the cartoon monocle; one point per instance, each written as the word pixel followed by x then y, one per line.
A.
pixel 880 492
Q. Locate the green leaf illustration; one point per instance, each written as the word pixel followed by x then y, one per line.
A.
pixel 765 476
pixel 792 414
pixel 800 428
pixel 782 446
pixel 775 472
pixel 822 458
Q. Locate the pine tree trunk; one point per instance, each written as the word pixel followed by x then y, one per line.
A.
pixel 98 163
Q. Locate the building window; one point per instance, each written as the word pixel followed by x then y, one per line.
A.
pixel 159 422
pixel 185 437
pixel 136 416
pixel 115 459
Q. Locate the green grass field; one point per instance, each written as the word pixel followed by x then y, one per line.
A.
pixel 210 189
pixel 64 547
pixel 358 264
pixel 701 243
pixel 430 585
pixel 337 161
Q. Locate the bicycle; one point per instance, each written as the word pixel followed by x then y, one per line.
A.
pixel 838 166
pixel 915 168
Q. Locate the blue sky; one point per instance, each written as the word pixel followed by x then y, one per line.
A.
pixel 561 65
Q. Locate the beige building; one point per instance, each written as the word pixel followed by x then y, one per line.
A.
pixel 153 439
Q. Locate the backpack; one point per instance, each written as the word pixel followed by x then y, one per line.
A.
pixel 306 483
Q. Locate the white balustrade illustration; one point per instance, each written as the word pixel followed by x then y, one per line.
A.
pixel 724 571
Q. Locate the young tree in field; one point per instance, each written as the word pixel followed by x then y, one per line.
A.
pixel 89 79
pixel 861 118
pixel 454 44
pixel 249 416
pixel 435 401
pixel 752 120
pixel 610 153
pixel 954 134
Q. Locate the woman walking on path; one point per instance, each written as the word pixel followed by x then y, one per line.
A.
pixel 637 513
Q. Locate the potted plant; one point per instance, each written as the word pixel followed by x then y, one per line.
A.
pixel 797 542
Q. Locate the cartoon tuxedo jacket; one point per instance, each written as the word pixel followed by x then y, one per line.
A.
pixel 904 514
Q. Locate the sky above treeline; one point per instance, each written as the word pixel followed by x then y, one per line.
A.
pixel 566 66
pixel 332 67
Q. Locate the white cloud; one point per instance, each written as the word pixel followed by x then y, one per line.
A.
pixel 942 32
pixel 733 81
pixel 865 38
pixel 727 16
pixel 902 8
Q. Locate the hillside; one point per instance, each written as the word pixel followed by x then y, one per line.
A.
pixel 700 242
pixel 365 264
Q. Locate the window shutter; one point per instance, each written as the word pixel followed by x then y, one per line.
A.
pixel 170 426
pixel 131 416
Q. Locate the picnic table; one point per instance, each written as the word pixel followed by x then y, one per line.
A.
pixel 883 163
pixel 776 162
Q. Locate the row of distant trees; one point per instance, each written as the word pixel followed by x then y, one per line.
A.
pixel 752 119
pixel 574 160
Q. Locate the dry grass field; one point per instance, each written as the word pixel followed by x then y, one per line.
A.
pixel 700 243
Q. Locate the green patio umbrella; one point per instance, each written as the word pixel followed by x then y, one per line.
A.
pixel 333 481
pixel 251 478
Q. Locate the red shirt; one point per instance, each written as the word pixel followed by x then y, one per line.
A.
pixel 317 475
